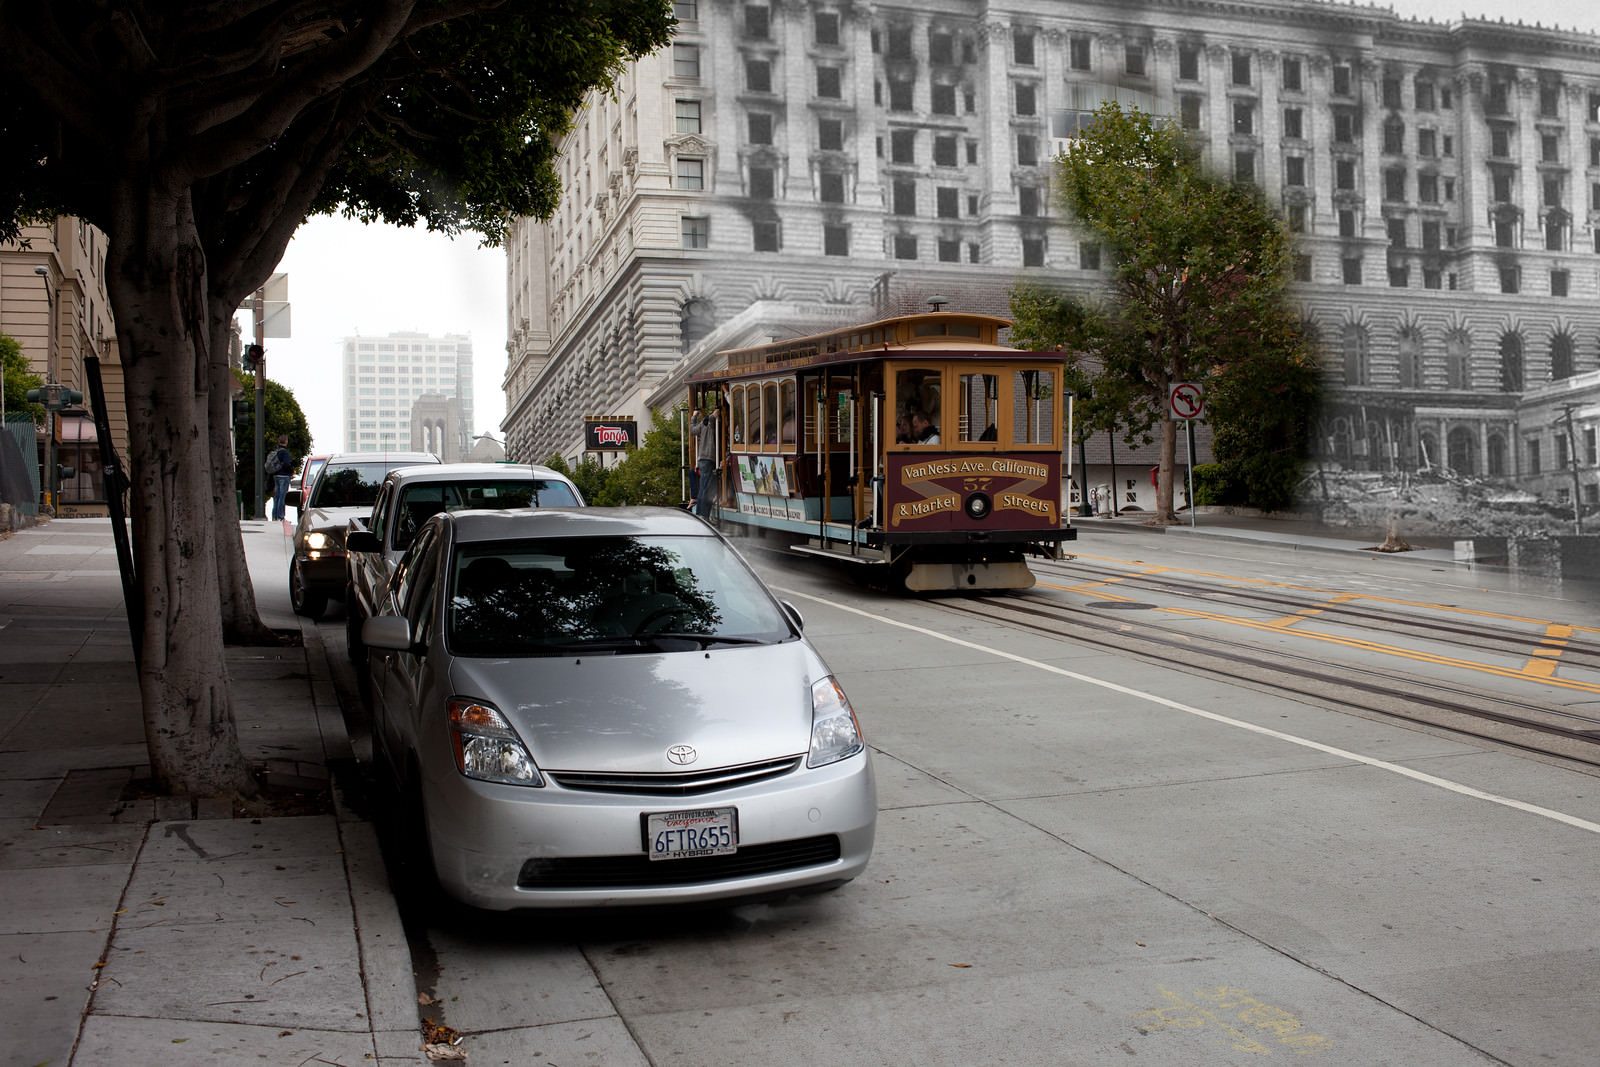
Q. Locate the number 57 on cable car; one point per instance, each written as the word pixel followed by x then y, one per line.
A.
pixel 919 445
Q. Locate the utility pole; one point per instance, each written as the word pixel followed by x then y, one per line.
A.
pixel 1572 465
pixel 258 313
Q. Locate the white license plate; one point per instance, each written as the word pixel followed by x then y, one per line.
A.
pixel 677 835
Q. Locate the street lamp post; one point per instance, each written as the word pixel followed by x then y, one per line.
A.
pixel 51 488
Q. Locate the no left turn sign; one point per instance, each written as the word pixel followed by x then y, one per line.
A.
pixel 1186 400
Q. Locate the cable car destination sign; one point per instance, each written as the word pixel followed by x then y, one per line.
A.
pixel 610 433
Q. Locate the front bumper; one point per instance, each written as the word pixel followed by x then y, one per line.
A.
pixel 502 847
pixel 323 571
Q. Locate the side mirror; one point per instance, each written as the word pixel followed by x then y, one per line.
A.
pixel 794 615
pixel 291 499
pixel 387 631
pixel 362 541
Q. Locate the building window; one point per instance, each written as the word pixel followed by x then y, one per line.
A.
pixel 972 204
pixel 1430 278
pixel 972 151
pixel 1088 256
pixel 1427 143
pixel 944 151
pixel 903 146
pixel 825 25
pixel 1504 234
pixel 1189 112
pixel 1502 188
pixel 758 76
pixel 1294 170
pixel 1188 63
pixel 760 126
pixel 1510 280
pixel 1241 68
pixel 1027 200
pixel 764 234
pixel 685 10
pixel 1430 235
pixel 1244 116
pixel 1533 456
pixel 1021 49
pixel 1344 127
pixel 1549 148
pixel 1423 92
pixel 828 83
pixel 1594 151
pixel 899 94
pixel 691 174
pixel 1398 277
pixel 1394 183
pixel 1494 102
pixel 974 252
pixel 949 251
pixel 905 199
pixel 941 49
pixel 1554 234
pixel 1244 166
pixel 1558 287
pixel 835 240
pixel 830 135
pixel 1397 232
pixel 1302 268
pixel 1347 223
pixel 905 247
pixel 1500 143
pixel 1549 100
pixel 1341 79
pixel 688 116
pixel 1391 93
pixel 942 99
pixel 762 182
pixel 1428 188
pixel 757 19
pixel 1291 74
pixel 1033 251
pixel 1394 138
pixel 696 231
pixel 1078 53
pixel 1292 123
pixel 1133 61
pixel 1024 96
pixel 1297 218
pixel 830 187
pixel 1344 174
pixel 1352 270
pixel 1027 150
pixel 947 202
pixel 686 62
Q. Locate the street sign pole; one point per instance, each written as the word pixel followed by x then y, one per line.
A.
pixel 258 310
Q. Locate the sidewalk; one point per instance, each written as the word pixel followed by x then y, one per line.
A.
pixel 165 931
pixel 1240 524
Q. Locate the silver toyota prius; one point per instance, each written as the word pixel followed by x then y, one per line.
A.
pixel 595 707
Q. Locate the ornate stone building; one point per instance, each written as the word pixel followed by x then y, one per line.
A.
pixel 786 163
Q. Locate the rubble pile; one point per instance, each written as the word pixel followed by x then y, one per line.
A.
pixel 1432 504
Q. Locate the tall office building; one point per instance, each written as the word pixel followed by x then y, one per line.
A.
pixel 408 392
pixel 785 166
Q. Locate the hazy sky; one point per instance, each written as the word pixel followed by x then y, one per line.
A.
pixel 347 279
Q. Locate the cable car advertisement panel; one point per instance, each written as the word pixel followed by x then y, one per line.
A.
pixel 1015 491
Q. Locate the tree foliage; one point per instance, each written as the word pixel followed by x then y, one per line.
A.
pixel 283 416
pixel 650 474
pixel 198 137
pixel 1198 292
pixel 19 378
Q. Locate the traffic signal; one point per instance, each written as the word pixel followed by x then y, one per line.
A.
pixel 55 396
pixel 253 356
pixel 64 472
pixel 241 410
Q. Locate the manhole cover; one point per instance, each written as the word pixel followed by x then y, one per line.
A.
pixel 1124 605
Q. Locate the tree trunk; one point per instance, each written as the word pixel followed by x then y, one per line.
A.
pixel 156 278
pixel 241 619
pixel 1165 515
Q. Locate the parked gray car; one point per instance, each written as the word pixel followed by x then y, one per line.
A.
pixel 594 707
pixel 345 487
pixel 408 497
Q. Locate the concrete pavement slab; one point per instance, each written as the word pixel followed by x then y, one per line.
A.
pixel 137 1042
pixel 59 899
pixel 593 1042
pixel 44 980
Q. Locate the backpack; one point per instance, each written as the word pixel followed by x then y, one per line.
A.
pixel 275 462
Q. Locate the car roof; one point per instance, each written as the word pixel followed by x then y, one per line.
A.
pixel 393 459
pixel 450 472
pixel 480 526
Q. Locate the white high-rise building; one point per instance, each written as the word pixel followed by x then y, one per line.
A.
pixel 385 377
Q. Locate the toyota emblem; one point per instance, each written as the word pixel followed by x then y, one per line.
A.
pixel 682 754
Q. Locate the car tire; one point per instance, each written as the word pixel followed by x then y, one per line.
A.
pixel 305 602
pixel 416 876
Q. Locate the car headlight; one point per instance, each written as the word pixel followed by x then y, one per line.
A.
pixel 317 540
pixel 835 733
pixel 486 746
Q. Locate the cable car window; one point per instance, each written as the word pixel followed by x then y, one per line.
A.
pixel 752 424
pixel 928 329
pixel 786 433
pixel 1033 406
pixel 980 407
pixel 737 410
pixel 965 329
pixel 769 415
pixel 918 403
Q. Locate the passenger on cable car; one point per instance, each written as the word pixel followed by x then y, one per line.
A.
pixel 923 431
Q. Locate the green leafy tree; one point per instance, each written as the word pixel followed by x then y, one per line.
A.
pixel 1198 290
pixel 282 416
pixel 590 475
pixel 651 473
pixel 18 380
pixel 199 137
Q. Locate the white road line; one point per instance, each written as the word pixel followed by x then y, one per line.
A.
pixel 1303 742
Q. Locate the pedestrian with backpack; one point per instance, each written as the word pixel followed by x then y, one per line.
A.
pixel 281 466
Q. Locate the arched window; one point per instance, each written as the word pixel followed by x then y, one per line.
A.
pixel 696 321
pixel 1463 451
pixel 1428 445
pixel 1511 362
pixel 1355 355
pixel 1497 456
pixel 1457 347
pixel 1560 357
pixel 1410 346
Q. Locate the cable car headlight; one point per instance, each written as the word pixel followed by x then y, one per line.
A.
pixel 979 506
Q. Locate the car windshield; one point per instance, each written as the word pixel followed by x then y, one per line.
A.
pixel 418 502
pixel 581 594
pixel 349 485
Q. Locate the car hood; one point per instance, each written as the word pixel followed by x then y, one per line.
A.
pixel 338 518
pixel 620 713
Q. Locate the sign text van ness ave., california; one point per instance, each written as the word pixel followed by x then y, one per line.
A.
pixel 986 465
